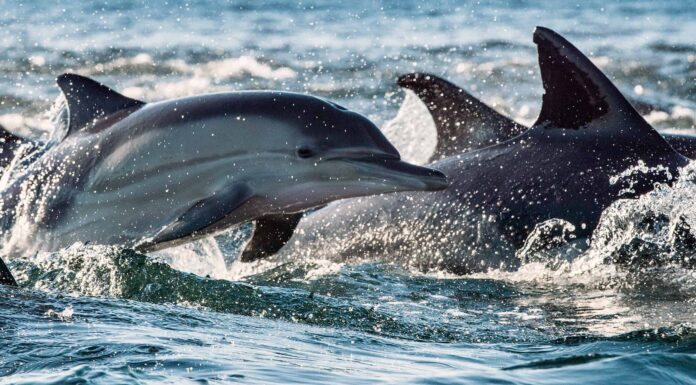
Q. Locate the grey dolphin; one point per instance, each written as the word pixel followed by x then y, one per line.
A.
pixel 465 123
pixel 588 148
pixel 155 175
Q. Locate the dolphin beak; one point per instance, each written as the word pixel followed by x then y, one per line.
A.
pixel 399 175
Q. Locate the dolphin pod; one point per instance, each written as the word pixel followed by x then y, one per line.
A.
pixel 588 148
pixel 465 123
pixel 155 175
pixel 149 176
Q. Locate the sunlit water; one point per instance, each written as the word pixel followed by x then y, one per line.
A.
pixel 92 314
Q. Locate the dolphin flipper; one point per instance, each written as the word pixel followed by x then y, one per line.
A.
pixel 463 122
pixel 88 100
pixel 201 215
pixel 271 233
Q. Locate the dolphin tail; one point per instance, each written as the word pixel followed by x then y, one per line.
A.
pixel 271 233
pixel 6 277
pixel 463 122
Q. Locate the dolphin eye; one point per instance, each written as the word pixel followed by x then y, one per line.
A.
pixel 305 152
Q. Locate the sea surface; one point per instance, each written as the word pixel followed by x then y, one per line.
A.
pixel 92 314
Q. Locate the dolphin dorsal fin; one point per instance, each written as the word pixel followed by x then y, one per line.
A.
pixel 576 93
pixel 88 100
pixel 463 122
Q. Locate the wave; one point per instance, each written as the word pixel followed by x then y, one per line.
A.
pixel 110 272
pixel 678 118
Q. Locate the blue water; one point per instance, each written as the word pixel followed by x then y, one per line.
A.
pixel 105 316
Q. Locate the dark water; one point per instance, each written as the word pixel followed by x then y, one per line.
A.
pixel 106 316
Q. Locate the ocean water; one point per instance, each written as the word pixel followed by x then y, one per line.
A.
pixel 192 315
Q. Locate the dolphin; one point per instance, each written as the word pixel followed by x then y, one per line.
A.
pixel 465 123
pixel 155 175
pixel 588 148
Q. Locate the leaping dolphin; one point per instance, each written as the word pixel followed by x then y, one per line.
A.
pixel 588 148
pixel 155 175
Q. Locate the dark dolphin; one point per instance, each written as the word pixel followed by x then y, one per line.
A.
pixel 571 164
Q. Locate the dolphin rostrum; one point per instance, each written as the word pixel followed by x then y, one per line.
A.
pixel 588 148
pixel 155 175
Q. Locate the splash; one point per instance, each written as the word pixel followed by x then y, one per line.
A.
pixel 202 257
pixel 631 176
pixel 412 130
pixel 79 270
pixel 645 245
pixel 50 125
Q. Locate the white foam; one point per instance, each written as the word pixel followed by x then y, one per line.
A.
pixel 26 126
pixel 202 257
pixel 322 268
pixel 678 115
pixel 139 60
pixel 86 270
pixel 63 315
pixel 198 78
pixel 600 61
pixel 37 60
pixel 49 125
pixel 173 89
pixel 232 68
pixel 649 220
